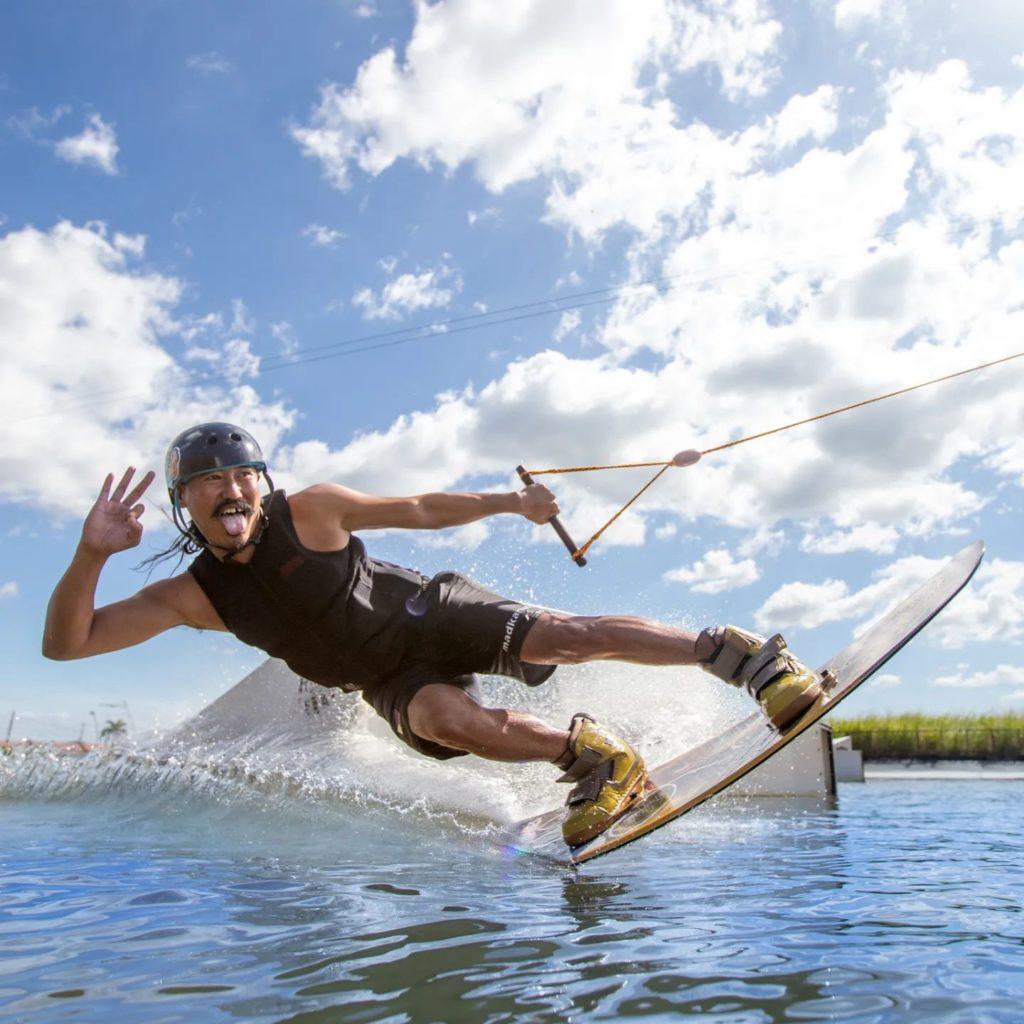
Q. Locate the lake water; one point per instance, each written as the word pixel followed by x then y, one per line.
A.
pixel 126 898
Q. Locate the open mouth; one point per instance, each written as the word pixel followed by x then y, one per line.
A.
pixel 233 517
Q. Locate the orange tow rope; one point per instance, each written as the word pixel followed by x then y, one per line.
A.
pixel 669 463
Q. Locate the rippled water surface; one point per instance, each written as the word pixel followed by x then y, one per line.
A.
pixel 901 903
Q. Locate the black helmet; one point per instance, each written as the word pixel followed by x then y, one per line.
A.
pixel 205 448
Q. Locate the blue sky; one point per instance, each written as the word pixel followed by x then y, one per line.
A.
pixel 194 198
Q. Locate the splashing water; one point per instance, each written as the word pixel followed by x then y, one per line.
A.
pixel 278 744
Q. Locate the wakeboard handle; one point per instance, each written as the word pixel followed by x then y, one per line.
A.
pixel 556 524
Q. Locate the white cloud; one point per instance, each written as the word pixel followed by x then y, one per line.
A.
pixel 461 538
pixel 407 293
pixel 763 538
pixel 885 681
pixel 757 321
pixel 234 361
pixel 1018 60
pixel 283 333
pixel 496 86
pixel 866 537
pixel 32 122
pixel 1001 674
pixel 96 145
pixel 851 15
pixel 323 236
pixel 990 608
pixel 567 323
pixel 805 605
pixel 82 337
pixel 716 572
pixel 8 590
pixel 209 63
pixel 811 117
pixel 475 216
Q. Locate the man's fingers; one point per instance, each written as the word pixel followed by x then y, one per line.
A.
pixel 122 485
pixel 140 488
pixel 105 489
pixel 138 510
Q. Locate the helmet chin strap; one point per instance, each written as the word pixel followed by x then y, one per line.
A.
pixel 195 535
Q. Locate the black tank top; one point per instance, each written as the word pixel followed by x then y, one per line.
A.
pixel 337 618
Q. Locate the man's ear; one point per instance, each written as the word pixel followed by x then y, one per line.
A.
pixel 182 498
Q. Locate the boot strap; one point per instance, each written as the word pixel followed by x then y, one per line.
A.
pixel 589 786
pixel 576 766
pixel 746 659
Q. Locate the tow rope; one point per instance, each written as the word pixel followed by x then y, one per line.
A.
pixel 691 456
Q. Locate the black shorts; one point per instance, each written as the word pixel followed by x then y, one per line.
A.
pixel 461 629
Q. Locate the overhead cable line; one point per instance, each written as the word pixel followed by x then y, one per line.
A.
pixel 436 329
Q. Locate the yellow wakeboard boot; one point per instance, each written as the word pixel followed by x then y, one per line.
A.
pixel 609 776
pixel 783 686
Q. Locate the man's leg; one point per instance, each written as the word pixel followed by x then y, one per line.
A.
pixel 783 687
pixel 447 715
pixel 608 773
pixel 559 639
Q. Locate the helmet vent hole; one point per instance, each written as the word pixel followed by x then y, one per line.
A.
pixel 235 437
pixel 212 439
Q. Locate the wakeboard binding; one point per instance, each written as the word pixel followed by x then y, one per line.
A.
pixel 609 776
pixel 783 686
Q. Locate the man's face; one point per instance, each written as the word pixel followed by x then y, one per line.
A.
pixel 224 504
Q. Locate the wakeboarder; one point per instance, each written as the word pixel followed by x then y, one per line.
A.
pixel 289 574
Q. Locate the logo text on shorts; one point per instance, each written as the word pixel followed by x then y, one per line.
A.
pixel 510 627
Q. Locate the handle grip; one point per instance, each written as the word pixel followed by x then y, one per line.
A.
pixel 555 523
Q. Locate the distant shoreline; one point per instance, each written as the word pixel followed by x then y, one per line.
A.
pixel 931 738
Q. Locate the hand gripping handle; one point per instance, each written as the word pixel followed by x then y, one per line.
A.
pixel 556 524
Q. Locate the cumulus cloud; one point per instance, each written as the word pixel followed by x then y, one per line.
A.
pixel 84 344
pixel 407 293
pixel 755 321
pixel 1001 674
pixel 498 88
pixel 96 146
pixel 8 590
pixel 716 572
pixel 990 608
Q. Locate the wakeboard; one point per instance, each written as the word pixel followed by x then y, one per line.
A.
pixel 685 782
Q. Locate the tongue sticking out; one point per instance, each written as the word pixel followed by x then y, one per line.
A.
pixel 234 523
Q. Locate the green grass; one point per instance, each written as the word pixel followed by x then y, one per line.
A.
pixel 930 737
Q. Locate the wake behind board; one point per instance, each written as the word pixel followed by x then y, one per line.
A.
pixel 686 781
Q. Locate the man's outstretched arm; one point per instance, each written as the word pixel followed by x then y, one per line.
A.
pixel 74 627
pixel 358 511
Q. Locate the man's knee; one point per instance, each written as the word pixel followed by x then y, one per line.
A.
pixel 444 716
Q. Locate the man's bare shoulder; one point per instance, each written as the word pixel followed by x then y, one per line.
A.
pixel 323 495
pixel 185 597
pixel 318 514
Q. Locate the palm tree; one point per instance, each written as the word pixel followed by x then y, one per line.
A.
pixel 114 728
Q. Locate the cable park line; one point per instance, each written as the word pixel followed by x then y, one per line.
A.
pixel 691 456
pixel 439 329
